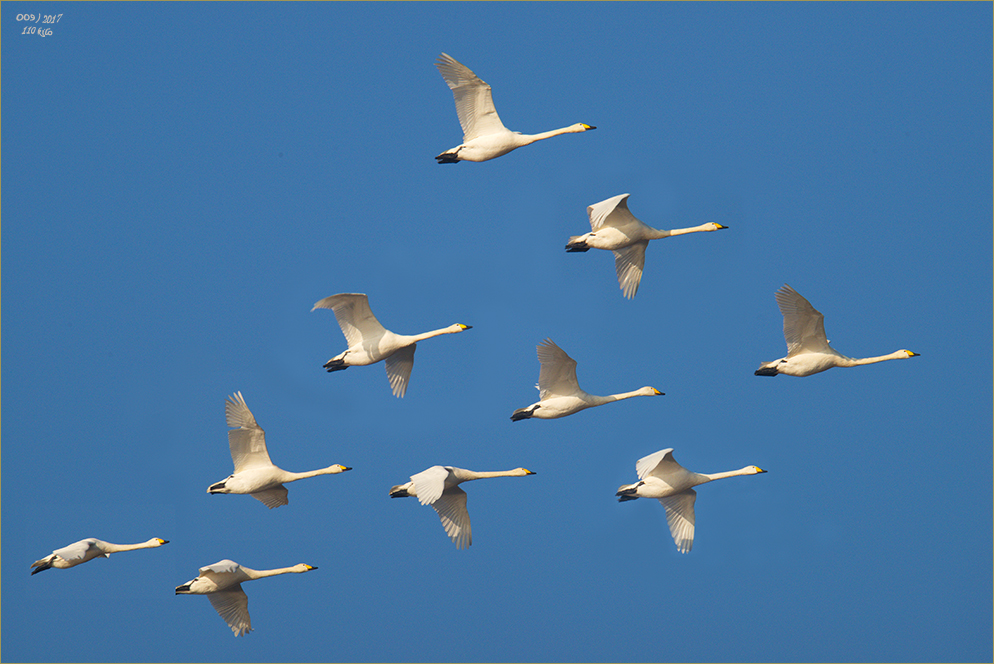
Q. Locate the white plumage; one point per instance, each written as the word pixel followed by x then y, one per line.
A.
pixel 616 229
pixel 661 477
pixel 255 474
pixel 86 550
pixel 484 135
pixel 438 486
pixel 808 350
pixel 558 390
pixel 369 342
pixel 222 583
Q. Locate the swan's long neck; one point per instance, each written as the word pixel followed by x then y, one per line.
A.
pixel 483 474
pixel 709 477
pixel 859 361
pixel 108 547
pixel 615 397
pixel 528 139
pixel 263 573
pixel 452 329
pixel 463 475
pixel 659 233
pixel 293 477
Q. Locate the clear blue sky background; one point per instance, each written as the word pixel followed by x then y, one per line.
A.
pixel 181 182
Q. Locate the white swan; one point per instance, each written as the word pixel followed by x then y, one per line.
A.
pixel 369 342
pixel 808 351
pixel 617 229
pixel 86 550
pixel 254 473
pixel 438 486
pixel 222 583
pixel 661 477
pixel 559 393
pixel 484 135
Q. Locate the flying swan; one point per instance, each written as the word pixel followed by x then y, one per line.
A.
pixel 484 135
pixel 616 229
pixel 661 477
pixel 559 393
pixel 439 487
pixel 254 473
pixel 369 342
pixel 808 351
pixel 86 550
pixel 222 583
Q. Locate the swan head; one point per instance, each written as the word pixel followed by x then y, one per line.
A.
pixel 908 353
pixel 458 327
pixel 752 470
pixel 157 541
pixel 712 226
pixel 301 568
pixel 650 392
pixel 522 472
pixel 338 468
pixel 580 126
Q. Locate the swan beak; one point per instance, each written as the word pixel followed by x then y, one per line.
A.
pixel 162 541
pixel 309 567
pixel 910 354
pixel 720 227
pixel 344 468
pixel 658 393
pixel 528 472
pixel 760 469
pixel 587 127
pixel 466 327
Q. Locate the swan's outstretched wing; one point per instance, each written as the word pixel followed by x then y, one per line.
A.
pixel 248 442
pixel 399 367
pixel 803 325
pixel 451 508
pixel 429 484
pixel 474 101
pixel 232 605
pixel 218 570
pixel 612 212
pixel 557 377
pixel 628 262
pixel 659 464
pixel 77 551
pixel 680 517
pixel 354 316
pixel 275 497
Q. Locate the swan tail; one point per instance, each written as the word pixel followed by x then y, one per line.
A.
pixel 184 589
pixel 335 365
pixel 399 491
pixel 218 487
pixel 41 565
pixel 522 413
pixel 767 370
pixel 627 492
pixel 576 243
pixel 448 157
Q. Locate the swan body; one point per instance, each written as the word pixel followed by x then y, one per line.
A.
pixel 484 135
pixel 438 486
pixel 254 473
pixel 222 583
pixel 661 477
pixel 369 342
pixel 808 350
pixel 616 229
pixel 559 392
pixel 86 550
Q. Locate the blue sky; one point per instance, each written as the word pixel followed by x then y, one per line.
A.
pixel 183 181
